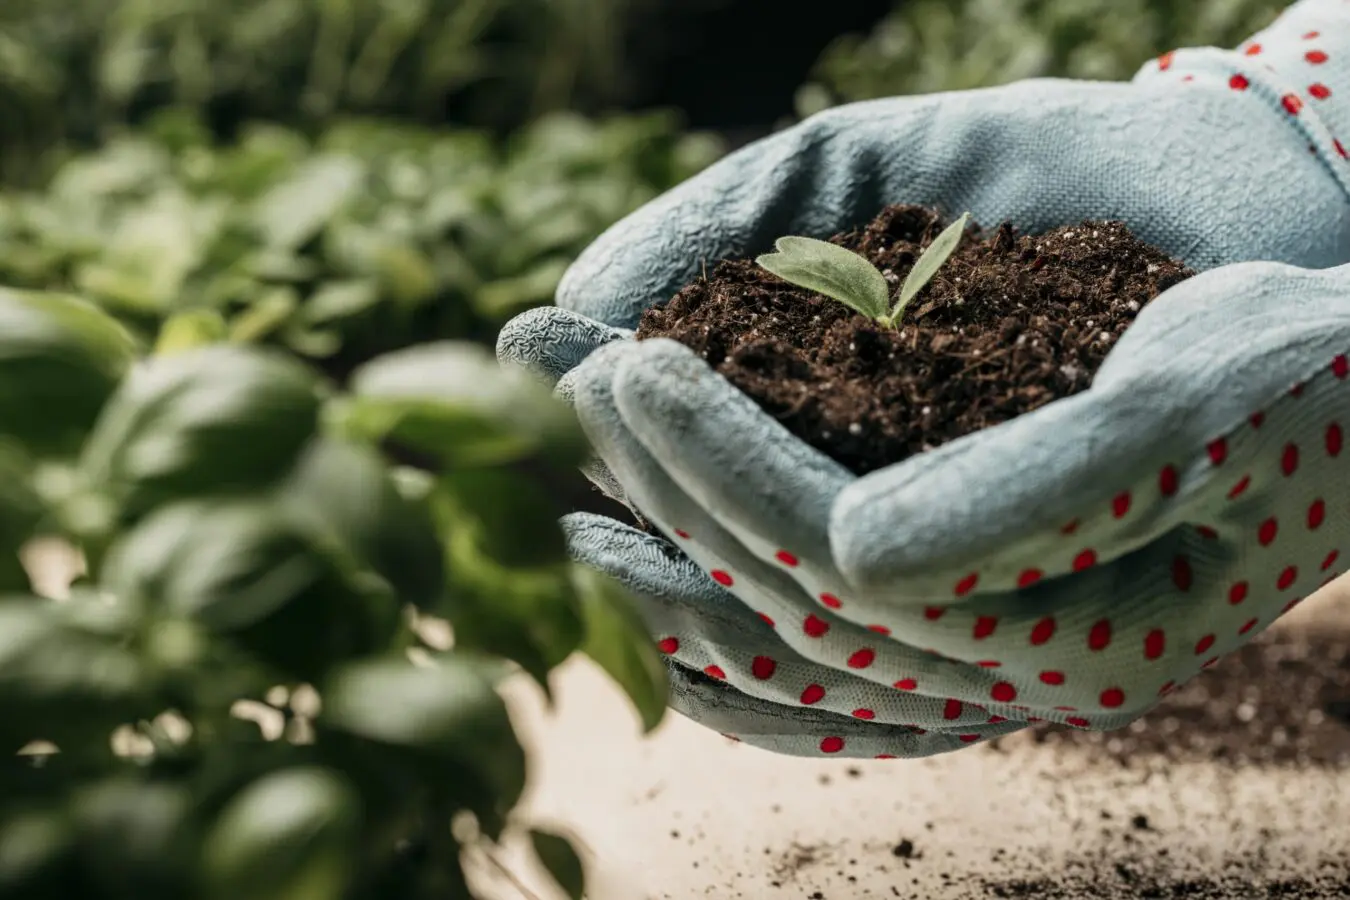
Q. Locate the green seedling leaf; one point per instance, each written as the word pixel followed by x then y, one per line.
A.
pixel 617 640
pixel 291 835
pixel 215 419
pixel 189 330
pixel 561 859
pixel 927 266
pixel 830 270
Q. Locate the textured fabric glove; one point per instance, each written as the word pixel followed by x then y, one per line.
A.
pixel 1071 565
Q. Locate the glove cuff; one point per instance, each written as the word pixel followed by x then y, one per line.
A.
pixel 1299 66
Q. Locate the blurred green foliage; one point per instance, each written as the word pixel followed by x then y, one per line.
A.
pixel 940 45
pixel 278 677
pixel 369 237
pixel 80 69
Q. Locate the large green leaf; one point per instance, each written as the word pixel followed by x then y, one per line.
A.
pixel 562 862
pixel 60 359
pixel 244 568
pixel 136 837
pixel 291 835
pixel 345 494
pixel 618 642
pixel 216 419
pixel 58 680
pixel 453 401
pixel 443 717
pixel 293 212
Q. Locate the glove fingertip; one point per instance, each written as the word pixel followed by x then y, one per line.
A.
pixel 549 342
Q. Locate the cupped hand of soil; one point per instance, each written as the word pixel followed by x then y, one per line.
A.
pixel 1009 323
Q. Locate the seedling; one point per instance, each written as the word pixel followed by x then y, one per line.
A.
pixel 851 279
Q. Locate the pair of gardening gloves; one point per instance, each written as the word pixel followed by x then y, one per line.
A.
pixel 1073 565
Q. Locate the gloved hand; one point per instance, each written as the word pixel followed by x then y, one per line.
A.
pixel 1072 564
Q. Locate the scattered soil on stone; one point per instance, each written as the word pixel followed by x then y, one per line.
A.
pixel 1281 700
pixel 1008 324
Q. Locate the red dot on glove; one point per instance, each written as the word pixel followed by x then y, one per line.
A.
pixel 1003 692
pixel 966 585
pixel 1202 646
pixel 1069 528
pixel 1077 721
pixel 906 684
pixel 952 709
pixel 1266 533
pixel 1085 560
pixel 767 621
pixel 813 693
pixel 1340 366
pixel 864 713
pixel 831 601
pixel 1330 560
pixel 763 668
pixel 1029 577
pixel 1252 50
pixel 1287 578
pixel 1120 504
pixel 1099 638
pixel 1239 83
pixel 1335 439
pixel 786 558
pixel 1257 419
pixel 1243 483
pixel 1248 626
pixel 681 533
pixel 1316 57
pixel 989 664
pixel 1043 631
pixel 880 629
pixel 1291 103
pixel 722 578
pixel 1237 593
pixel 1289 459
pixel 1319 91
pixel 1312 34
pixel 1112 698
pixel 831 745
pixel 1217 450
pixel 1155 644
pixel 668 645
pixel 1317 514
pixel 814 626
pixel 984 627
pixel 1167 688
pixel 933 613
pixel 715 672
pixel 861 659
pixel 1167 480
pixel 1182 576
pixel 1052 677
pixel 968 738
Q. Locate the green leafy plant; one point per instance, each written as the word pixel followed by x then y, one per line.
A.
pixel 78 70
pixel 278 675
pixel 851 279
pixel 939 45
pixel 368 238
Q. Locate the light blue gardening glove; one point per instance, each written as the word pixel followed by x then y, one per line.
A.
pixel 1071 565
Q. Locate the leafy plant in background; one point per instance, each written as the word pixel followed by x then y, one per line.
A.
pixel 80 69
pixel 850 277
pixel 939 45
pixel 371 237
pixel 248 548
